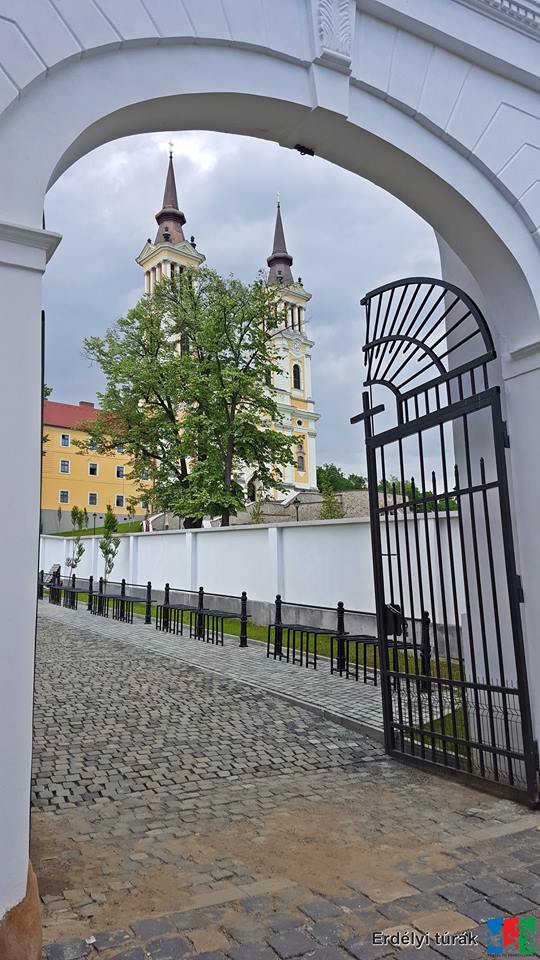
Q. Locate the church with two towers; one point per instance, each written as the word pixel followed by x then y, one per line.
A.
pixel 170 252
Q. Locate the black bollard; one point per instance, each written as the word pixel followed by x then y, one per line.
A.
pixel 278 629
pixel 90 592
pixel 166 601
pixel 148 608
pixel 100 597
pixel 340 636
pixel 243 620
pixel 199 633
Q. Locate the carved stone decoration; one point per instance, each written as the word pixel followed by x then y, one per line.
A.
pixel 334 28
pixel 524 15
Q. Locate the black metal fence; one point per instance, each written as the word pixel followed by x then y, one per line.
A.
pixel 175 610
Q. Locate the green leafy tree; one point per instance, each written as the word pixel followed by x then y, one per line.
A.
pixel 331 506
pixel 332 477
pixel 257 513
pixel 426 502
pixel 110 541
pixel 188 393
pixel 78 523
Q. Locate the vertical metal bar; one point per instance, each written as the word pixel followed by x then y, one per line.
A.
pixel 468 609
pixel 480 596
pixel 412 611
pixel 515 613
pixel 442 579
pixel 405 671
pixel 378 575
pixel 166 612
pixel 457 617
pixel 431 592
pixel 496 618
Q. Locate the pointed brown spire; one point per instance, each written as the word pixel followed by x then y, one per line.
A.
pixel 280 261
pixel 170 218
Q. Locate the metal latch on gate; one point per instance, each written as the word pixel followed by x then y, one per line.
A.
pixel 393 619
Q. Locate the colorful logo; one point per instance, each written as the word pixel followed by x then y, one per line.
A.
pixel 511 935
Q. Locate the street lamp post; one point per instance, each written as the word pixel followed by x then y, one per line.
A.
pixel 94 516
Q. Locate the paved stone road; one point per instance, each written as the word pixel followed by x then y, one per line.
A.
pixel 178 813
pixel 336 696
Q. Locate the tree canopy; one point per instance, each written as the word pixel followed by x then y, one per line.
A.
pixel 332 477
pixel 189 393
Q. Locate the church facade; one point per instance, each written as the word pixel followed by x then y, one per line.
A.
pixel 171 252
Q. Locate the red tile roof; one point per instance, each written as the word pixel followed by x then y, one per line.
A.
pixel 68 414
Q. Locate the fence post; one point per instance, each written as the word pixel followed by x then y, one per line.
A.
pixel 340 637
pixel 278 629
pixel 90 592
pixel 73 580
pixel 425 656
pixel 199 633
pixel 123 587
pixel 148 609
pixel 166 601
pixel 100 599
pixel 40 584
pixel 243 620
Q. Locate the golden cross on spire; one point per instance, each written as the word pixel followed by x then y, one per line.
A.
pixel 171 147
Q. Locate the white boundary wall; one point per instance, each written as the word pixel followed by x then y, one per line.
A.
pixel 317 563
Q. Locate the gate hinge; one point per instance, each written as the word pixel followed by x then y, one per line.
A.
pixel 506 436
pixel 521 595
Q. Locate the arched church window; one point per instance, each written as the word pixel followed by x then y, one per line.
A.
pixel 300 459
pixel 184 344
pixel 297 382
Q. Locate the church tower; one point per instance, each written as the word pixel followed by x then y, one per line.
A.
pixel 293 382
pixel 170 251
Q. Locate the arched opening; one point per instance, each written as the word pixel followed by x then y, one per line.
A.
pixel 297 379
pixel 88 100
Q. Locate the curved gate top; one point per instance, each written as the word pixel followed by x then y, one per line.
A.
pixel 454 679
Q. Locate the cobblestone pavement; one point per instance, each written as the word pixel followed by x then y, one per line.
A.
pixel 178 813
pixel 335 695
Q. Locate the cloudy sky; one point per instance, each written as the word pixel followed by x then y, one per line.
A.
pixel 346 236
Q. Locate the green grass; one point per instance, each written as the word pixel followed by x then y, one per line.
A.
pixel 131 526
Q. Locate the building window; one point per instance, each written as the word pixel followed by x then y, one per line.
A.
pixel 93 469
pixel 92 499
pixel 63 496
pixel 119 473
pixel 145 473
pixel 296 379
pixel 64 466
pixel 64 440
pixel 300 459
pixel 120 448
pixel 92 444
pixel 184 345
pixel 119 500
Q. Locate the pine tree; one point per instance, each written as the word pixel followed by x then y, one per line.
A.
pixel 110 541
pixel 331 506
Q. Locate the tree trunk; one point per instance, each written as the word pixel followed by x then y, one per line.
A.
pixel 192 523
pixel 225 517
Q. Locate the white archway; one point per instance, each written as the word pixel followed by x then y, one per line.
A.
pixel 441 108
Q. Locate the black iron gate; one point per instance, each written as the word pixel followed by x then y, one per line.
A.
pixel 453 671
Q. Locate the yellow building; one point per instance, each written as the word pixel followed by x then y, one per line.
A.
pixel 74 478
